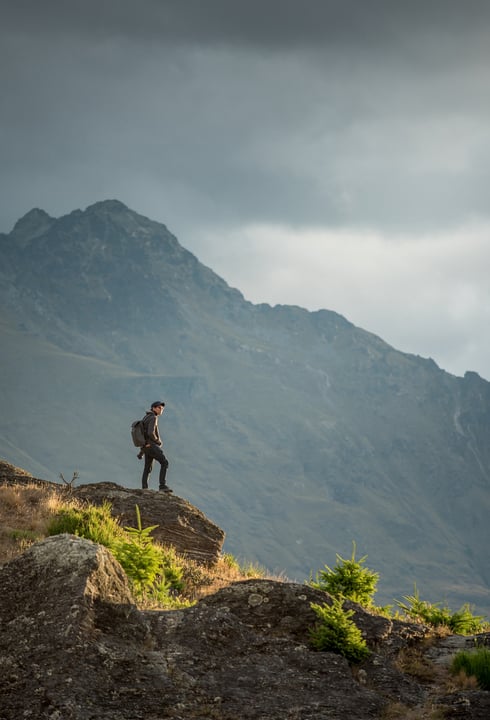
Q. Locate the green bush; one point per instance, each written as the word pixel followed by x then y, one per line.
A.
pixel 336 632
pixel 462 622
pixel 151 569
pixel 172 569
pixel 140 557
pixel 348 580
pixel 92 522
pixel 161 594
pixel 474 663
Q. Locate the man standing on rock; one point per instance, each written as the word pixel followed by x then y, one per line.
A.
pixel 153 447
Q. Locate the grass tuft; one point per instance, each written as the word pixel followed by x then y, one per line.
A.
pixel 474 664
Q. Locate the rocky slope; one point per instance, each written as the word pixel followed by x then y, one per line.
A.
pixel 76 647
pixel 302 431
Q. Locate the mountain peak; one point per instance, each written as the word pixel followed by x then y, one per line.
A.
pixel 107 206
pixel 32 225
pixel 115 212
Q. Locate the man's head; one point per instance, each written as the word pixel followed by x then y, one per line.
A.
pixel 158 406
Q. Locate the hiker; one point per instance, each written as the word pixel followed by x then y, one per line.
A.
pixel 152 450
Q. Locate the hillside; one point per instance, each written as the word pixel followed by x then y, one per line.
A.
pixel 241 650
pixel 298 431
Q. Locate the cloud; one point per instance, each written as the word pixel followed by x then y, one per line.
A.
pixel 321 113
pixel 255 24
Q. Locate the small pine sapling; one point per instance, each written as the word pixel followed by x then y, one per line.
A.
pixel 336 632
pixel 348 579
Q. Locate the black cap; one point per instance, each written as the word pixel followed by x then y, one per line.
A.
pixel 157 403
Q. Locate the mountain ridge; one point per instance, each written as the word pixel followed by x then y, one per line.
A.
pixel 308 431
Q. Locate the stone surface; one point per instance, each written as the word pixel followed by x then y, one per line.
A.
pixel 179 523
pixel 75 647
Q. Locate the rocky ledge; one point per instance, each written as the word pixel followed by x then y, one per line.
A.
pixel 76 647
pixel 179 523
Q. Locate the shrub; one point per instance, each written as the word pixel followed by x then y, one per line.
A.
pixel 153 570
pixel 140 558
pixel 150 568
pixel 25 536
pixel 349 580
pixel 474 663
pixel 172 569
pixel 335 631
pixel 462 622
pixel 91 522
pixel 253 570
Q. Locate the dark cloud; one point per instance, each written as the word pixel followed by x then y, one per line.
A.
pixel 313 112
pixel 288 24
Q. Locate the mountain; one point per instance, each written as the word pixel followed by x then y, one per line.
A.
pixel 296 432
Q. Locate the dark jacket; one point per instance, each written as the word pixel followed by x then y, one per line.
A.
pixel 150 423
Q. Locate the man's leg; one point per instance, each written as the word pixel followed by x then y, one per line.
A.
pixel 147 469
pixel 160 457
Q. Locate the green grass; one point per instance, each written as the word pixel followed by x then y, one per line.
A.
pixel 88 521
pixel 153 571
pixel 474 663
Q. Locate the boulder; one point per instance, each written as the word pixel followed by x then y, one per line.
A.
pixel 179 523
pixel 76 647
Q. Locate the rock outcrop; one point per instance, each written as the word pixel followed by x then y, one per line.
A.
pixel 179 523
pixel 75 647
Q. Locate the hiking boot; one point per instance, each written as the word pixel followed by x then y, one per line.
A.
pixel 165 489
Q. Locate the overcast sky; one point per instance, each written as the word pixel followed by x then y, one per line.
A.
pixel 325 154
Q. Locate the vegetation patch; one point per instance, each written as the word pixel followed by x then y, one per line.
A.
pixel 29 513
pixel 348 579
pixel 336 632
pixel 462 622
pixel 92 522
pixel 474 664
pixel 412 661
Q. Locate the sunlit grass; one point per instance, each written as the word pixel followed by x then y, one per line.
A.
pixel 29 513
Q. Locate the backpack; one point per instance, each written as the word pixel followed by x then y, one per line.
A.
pixel 138 435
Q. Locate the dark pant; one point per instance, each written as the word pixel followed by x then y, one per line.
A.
pixel 154 453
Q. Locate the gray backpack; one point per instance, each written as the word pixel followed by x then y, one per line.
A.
pixel 138 434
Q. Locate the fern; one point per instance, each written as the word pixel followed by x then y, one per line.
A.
pixel 140 558
pixel 462 622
